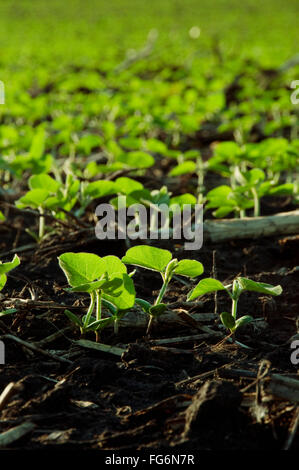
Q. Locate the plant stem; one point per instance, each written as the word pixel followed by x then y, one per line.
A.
pixel 90 309
pixel 162 292
pixel 150 324
pixel 234 308
pixel 98 311
pixel 41 232
pixel 116 325
pixel 256 202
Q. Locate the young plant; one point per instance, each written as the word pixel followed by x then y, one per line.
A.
pixel 46 193
pixel 4 269
pixel 234 290
pixel 102 278
pixel 159 260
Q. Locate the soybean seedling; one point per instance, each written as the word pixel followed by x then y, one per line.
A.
pixel 4 269
pixel 101 278
pixel 46 193
pixel 234 290
pixel 159 260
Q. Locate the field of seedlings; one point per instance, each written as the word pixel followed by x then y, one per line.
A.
pixel 149 226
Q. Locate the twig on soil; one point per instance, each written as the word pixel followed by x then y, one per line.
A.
pixel 203 376
pixel 214 276
pixel 180 339
pixel 293 430
pixel 10 390
pixel 29 303
pixel 12 435
pixel 251 227
pixel 35 348
pixel 38 214
pixel 20 249
pixel 100 347
pixel 53 337
pixel 283 387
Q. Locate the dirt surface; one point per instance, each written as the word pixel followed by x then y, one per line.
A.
pixel 173 396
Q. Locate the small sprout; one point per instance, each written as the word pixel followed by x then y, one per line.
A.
pixel 4 269
pixel 102 278
pixel 240 284
pixel 159 260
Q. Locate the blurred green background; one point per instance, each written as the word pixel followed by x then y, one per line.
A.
pixel 88 30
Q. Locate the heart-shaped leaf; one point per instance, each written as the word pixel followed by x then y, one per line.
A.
pixel 114 265
pixel 81 268
pixel 34 198
pixel 148 257
pixel 43 181
pixel 98 189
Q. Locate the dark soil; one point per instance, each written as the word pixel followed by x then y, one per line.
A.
pixel 171 397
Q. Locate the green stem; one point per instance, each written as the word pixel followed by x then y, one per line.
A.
pixel 256 199
pixel 98 312
pixel 234 308
pixel 90 309
pixel 200 176
pixel 162 292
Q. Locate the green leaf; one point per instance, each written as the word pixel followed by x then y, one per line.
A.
pixel 286 189
pixel 156 146
pixel 242 321
pixel 219 197
pixel 123 296
pixel 136 159
pixel 228 320
pixel 99 324
pixel 3 279
pixel 124 185
pixel 34 198
pixel 43 181
pixel 98 189
pixel 112 308
pixel 8 311
pixel 2 216
pixel 37 147
pixel 254 176
pixel 91 286
pixel 223 211
pixel 148 257
pixel 6 267
pixel 189 268
pixel 184 168
pixel 181 200
pixel 143 304
pixel 157 310
pixel 81 268
pixel 248 284
pixel 114 265
pixel 205 286
pixel 74 319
